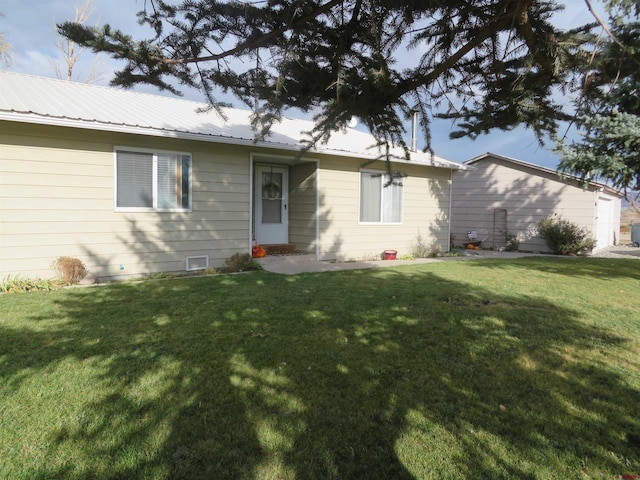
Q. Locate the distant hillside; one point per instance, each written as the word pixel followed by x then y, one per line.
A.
pixel 629 215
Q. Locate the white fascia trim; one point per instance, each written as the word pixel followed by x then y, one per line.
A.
pixel 33 118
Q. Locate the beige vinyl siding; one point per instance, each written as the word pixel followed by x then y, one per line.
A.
pixel 302 206
pixel 527 195
pixel 425 211
pixel 56 197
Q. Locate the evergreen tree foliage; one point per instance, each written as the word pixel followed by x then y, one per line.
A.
pixel 609 150
pixel 489 63
pixel 608 112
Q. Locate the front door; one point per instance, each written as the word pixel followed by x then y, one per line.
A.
pixel 271 197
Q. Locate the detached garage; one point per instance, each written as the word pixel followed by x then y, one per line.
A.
pixel 501 197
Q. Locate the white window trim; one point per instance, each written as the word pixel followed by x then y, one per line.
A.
pixel 154 153
pixel 382 173
pixel 206 263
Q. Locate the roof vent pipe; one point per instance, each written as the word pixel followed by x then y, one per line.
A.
pixel 414 130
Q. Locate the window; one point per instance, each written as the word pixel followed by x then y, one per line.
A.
pixel 153 181
pixel 380 203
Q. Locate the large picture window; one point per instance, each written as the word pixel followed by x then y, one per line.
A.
pixel 380 203
pixel 153 181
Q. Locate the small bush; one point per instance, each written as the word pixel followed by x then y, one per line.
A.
pixel 20 285
pixel 421 249
pixel 69 269
pixel 241 262
pixel 513 243
pixel 565 237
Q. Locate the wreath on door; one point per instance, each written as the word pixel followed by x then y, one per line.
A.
pixel 271 190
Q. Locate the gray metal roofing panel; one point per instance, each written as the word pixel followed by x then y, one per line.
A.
pixel 30 97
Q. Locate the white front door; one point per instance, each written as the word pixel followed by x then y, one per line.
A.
pixel 271 197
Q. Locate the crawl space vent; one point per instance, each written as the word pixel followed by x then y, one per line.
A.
pixel 197 263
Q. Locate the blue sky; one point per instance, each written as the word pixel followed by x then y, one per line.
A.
pixel 29 26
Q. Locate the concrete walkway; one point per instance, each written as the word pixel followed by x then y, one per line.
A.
pixel 296 264
pixel 619 251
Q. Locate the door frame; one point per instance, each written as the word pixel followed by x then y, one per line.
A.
pixel 280 230
pixel 281 161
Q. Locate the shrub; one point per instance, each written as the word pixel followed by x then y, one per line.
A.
pixel 513 243
pixel 19 285
pixel 69 269
pixel 241 262
pixel 565 237
pixel 420 248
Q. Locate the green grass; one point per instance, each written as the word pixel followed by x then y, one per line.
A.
pixel 484 369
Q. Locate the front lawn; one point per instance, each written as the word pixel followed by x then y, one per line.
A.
pixel 524 368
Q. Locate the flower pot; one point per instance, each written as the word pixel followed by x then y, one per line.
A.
pixel 390 254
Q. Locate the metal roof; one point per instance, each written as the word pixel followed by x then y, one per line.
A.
pixel 31 99
pixel 560 175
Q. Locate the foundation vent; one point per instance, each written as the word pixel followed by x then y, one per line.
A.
pixel 197 263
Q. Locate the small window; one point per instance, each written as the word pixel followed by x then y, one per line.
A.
pixel 153 181
pixel 380 200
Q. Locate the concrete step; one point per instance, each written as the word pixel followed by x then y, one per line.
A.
pixel 280 249
pixel 290 259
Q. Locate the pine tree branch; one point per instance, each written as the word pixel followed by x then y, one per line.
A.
pixel 486 32
pixel 252 43
pixel 608 31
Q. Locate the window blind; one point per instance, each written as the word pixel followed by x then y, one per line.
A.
pixel 134 179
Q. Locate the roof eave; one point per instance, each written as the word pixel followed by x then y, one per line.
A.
pixel 563 176
pixel 33 118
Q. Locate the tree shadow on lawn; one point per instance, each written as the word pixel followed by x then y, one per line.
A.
pixel 361 374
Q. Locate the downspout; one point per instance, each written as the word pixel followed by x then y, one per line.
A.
pixel 450 202
pixel 317 210
pixel 251 200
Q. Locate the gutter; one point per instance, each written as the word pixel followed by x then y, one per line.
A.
pixel 38 119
